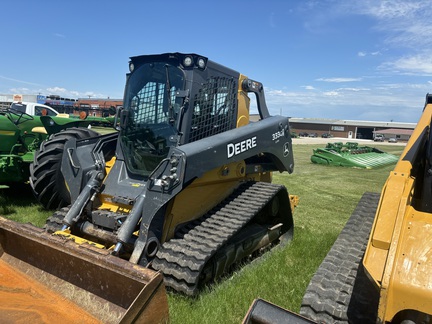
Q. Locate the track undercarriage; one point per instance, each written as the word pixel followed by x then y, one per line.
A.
pixel 247 221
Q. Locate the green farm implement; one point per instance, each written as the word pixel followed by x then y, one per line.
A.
pixel 352 155
pixel 21 135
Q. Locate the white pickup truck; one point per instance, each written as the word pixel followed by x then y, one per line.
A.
pixel 379 138
pixel 33 109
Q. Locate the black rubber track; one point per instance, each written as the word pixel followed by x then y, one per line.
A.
pixel 55 222
pixel 46 179
pixel 182 260
pixel 340 292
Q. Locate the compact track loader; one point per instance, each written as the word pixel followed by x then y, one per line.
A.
pixel 379 269
pixel 184 187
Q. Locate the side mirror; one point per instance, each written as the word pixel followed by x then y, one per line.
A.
pixel 123 114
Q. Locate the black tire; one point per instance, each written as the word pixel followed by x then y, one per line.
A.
pixel 340 292
pixel 46 179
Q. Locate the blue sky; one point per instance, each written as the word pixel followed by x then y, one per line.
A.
pixel 357 59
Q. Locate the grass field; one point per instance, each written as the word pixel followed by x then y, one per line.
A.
pixel 327 194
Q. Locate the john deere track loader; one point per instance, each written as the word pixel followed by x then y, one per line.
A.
pixel 185 186
pixel 379 270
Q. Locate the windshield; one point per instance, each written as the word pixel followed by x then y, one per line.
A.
pixel 18 107
pixel 151 111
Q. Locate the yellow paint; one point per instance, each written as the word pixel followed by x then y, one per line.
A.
pixel 388 210
pixel 106 202
pixel 243 103
pixel 78 240
pixel 39 130
pixel 7 133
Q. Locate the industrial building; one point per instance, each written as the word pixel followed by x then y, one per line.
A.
pixel 351 129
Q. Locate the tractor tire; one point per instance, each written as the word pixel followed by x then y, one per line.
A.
pixel 46 179
pixel 340 292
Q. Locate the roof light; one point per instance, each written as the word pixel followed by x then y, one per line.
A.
pixel 201 63
pixel 187 61
pixel 131 67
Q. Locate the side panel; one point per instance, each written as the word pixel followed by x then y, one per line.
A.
pixel 268 140
pixel 82 157
pixel 9 134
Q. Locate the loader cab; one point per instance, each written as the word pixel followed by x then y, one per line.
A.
pixel 170 100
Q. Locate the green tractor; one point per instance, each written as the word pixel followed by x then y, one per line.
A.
pixel 21 135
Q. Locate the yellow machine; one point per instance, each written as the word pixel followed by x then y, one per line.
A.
pixel 388 278
pixel 379 269
pixel 398 257
pixel 184 186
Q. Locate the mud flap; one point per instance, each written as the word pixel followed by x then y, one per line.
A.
pixel 47 278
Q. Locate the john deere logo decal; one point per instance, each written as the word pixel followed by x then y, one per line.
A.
pixel 286 149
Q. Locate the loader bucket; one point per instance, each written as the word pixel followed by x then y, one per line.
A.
pixel 352 155
pixel 47 279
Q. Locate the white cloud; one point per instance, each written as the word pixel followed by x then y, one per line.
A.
pixel 402 23
pixel 20 90
pixel 338 80
pixel 363 54
pixel 390 9
pixel 308 87
pixel 63 92
pixel 56 90
pixel 74 93
pixel 379 102
pixel 353 89
pixel 19 81
pixel 331 93
pixel 413 64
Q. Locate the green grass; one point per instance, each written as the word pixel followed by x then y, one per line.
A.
pixel 327 194
pixel 17 203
